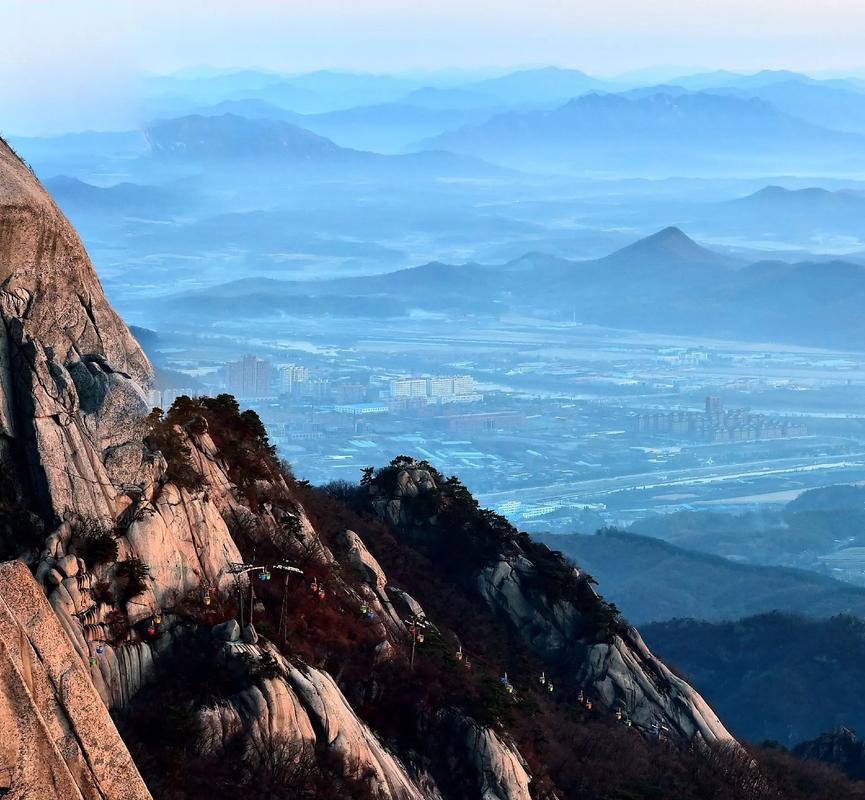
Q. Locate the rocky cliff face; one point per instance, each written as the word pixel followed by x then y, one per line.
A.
pixel 70 372
pixel 57 738
pixel 155 539
pixel 620 672
pixel 571 628
pixel 841 747
pixel 74 451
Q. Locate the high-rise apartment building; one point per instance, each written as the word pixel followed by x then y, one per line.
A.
pixel 408 387
pixel 290 375
pixel 714 405
pixel 250 376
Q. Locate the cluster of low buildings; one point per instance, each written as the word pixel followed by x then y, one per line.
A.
pixel 716 425
pixel 254 378
pixel 435 390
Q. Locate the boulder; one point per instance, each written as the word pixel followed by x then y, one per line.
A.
pixel 358 557
pixel 228 631
pixel 68 565
pixel 54 577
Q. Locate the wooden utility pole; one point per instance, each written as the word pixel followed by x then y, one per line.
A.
pixel 415 624
pixel 288 569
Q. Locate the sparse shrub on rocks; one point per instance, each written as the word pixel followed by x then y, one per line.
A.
pixel 133 573
pixel 118 626
pixel 93 541
pixel 164 436
pixel 267 667
pixel 101 593
pixel 239 435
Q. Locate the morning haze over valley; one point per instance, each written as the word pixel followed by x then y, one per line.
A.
pixel 415 403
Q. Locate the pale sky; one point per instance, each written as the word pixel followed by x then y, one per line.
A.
pixel 64 57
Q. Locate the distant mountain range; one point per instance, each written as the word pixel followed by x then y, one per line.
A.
pixel 121 198
pixel 229 136
pixel 840 107
pixel 790 215
pixel 240 142
pixel 450 98
pixel 313 92
pixel 664 283
pixel 779 677
pixel 654 581
pixel 332 90
pixel 92 151
pixel 661 133
pixel 387 127
pixel 251 108
pixel 551 119
pixel 543 118
pixel 534 86
pixel 329 90
pixel 669 252
pixel 816 524
pixel 724 78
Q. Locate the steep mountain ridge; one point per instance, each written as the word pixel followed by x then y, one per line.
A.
pixel 229 136
pixel 255 636
pixel 668 248
pixel 69 369
pixel 669 252
pixel 664 283
pixel 139 507
pixel 229 141
pixel 681 132
pixel 570 625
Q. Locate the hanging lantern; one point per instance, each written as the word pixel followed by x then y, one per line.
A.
pixel 262 576
pixel 420 638
pixel 157 620
pixel 589 705
pixel 212 591
pixel 413 631
pixel 321 594
pixel 509 689
pixel 313 587
pixel 151 631
pixel 504 679
pixel 468 664
pixel 618 715
pixel 370 615
pixel 92 661
pixel 100 649
pixel 364 608
pixel 543 679
pixel 207 600
pixel 459 654
pixel 550 687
